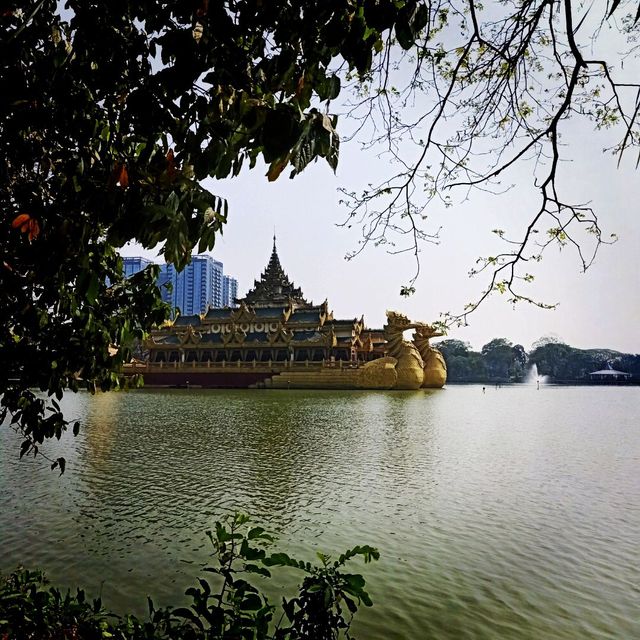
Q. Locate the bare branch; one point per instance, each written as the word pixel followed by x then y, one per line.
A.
pixel 494 86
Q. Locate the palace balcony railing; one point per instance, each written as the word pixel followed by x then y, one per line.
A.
pixel 156 367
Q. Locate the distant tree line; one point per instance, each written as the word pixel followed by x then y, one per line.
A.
pixel 501 361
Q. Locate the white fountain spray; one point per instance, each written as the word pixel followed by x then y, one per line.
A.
pixel 533 377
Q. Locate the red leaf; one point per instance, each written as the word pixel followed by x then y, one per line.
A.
pixel 276 167
pixel 120 175
pixel 20 219
pixel 28 225
pixel 123 176
pixel 34 230
pixel 171 165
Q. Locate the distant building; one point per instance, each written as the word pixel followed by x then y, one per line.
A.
pixel 229 291
pixel 199 286
pixel 167 283
pixel 609 375
pixel 133 265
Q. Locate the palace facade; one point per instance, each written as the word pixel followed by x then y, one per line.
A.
pixel 276 338
pixel 274 323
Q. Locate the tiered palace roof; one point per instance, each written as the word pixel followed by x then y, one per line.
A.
pixel 274 322
pixel 274 286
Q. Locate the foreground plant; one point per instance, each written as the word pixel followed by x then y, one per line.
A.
pixel 228 606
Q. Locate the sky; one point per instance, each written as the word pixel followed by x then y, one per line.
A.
pixel 599 308
pixel 596 309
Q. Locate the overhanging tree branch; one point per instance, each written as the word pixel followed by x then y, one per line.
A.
pixel 503 80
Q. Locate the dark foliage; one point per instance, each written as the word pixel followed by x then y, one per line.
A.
pixel 228 606
pixel 563 362
pixel 499 360
pixel 110 116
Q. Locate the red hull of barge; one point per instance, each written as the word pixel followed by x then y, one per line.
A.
pixel 206 379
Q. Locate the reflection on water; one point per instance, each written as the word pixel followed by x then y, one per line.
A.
pixel 510 514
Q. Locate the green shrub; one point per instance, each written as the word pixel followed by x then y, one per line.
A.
pixel 225 606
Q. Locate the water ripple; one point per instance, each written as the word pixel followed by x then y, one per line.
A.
pixel 512 514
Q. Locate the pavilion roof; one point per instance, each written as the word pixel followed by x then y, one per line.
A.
pixel 307 336
pixel 170 338
pixel 609 372
pixel 211 337
pixel 184 321
pixel 269 312
pixel 218 312
pixel 345 322
pixel 305 316
pixel 256 336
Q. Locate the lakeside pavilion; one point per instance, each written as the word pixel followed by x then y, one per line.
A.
pixel 609 375
pixel 273 323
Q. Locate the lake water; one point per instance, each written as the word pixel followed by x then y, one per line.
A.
pixel 513 513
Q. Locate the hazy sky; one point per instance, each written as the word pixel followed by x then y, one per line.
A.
pixel 599 308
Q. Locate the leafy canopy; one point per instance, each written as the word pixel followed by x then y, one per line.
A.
pixel 111 115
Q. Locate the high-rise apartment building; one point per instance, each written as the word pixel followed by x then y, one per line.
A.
pixel 229 291
pixel 200 285
pixel 133 265
pixel 167 283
